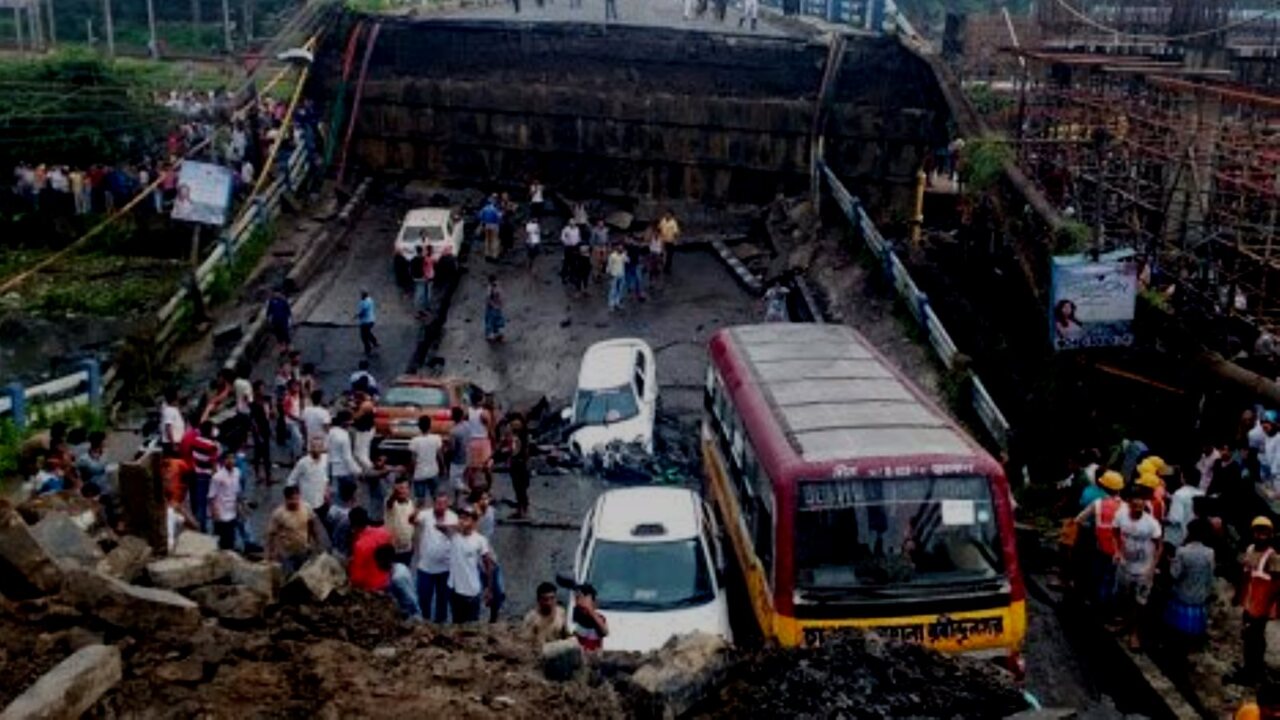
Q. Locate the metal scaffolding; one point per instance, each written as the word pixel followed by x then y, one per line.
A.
pixel 1175 162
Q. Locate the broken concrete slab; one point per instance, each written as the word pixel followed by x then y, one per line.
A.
pixel 71 687
pixel 34 571
pixel 82 510
pixel 127 560
pixel 230 602
pixel 264 578
pixel 682 673
pixel 318 578
pixel 65 539
pixel 177 573
pixel 128 606
pixel 182 672
pixel 194 544
pixel 562 660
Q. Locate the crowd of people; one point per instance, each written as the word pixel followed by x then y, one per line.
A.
pixel 238 139
pixel 1149 538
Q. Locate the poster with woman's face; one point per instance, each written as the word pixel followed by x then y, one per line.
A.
pixel 1092 303
pixel 204 194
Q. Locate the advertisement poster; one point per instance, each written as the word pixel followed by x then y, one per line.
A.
pixel 1093 303
pixel 204 193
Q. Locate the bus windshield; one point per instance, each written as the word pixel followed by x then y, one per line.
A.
pixel 922 532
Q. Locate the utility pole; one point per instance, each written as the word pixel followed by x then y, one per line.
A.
pixel 226 26
pixel 110 29
pixel 195 16
pixel 17 26
pixel 37 29
pixel 246 18
pixel 53 24
pixel 153 44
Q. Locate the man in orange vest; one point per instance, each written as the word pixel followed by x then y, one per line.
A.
pixel 1101 516
pixel 1256 594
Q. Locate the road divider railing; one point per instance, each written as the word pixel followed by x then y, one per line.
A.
pixel 917 303
pixel 20 404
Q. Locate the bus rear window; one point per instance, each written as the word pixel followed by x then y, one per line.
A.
pixel 924 532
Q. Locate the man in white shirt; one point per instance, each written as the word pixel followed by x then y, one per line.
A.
pixel 570 238
pixel 316 420
pixel 469 552
pixel 1139 553
pixel 224 495
pixel 311 476
pixel 343 468
pixel 172 425
pixel 427 453
pixel 433 550
pixel 1180 513
pixel 532 239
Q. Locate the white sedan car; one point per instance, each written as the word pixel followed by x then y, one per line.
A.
pixel 653 556
pixel 617 396
pixel 438 227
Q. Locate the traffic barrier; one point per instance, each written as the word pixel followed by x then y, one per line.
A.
pixel 917 303
pixel 82 388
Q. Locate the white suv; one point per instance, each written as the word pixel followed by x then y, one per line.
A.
pixel 654 558
pixel 437 227
pixel 617 396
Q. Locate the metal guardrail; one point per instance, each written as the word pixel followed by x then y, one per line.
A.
pixel 88 385
pixel 918 303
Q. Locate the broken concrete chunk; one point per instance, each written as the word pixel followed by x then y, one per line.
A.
pixel 562 659
pixel 65 539
pixel 230 602
pixel 34 571
pixel 71 687
pixel 683 672
pixel 182 672
pixel 127 560
pixel 321 575
pixel 194 544
pixel 177 573
pixel 264 578
pixel 128 606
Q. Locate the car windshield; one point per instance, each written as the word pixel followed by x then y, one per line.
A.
pixel 430 233
pixel 909 532
pixel 650 576
pixel 415 396
pixel 600 407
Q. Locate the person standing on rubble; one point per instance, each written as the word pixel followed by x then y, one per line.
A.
pixel 470 570
pixel 293 532
pixel 400 508
pixel 224 495
pixel 1256 595
pixel 433 543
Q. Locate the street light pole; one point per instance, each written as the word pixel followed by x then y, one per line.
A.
pixel 153 44
pixel 226 25
pixel 110 29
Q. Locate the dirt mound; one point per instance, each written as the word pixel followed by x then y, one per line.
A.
pixel 861 676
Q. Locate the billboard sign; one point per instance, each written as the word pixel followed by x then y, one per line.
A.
pixel 204 194
pixel 1092 302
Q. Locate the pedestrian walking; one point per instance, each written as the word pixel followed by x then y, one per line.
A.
pixel 204 461
pixel 616 268
pixel 669 231
pixel 532 240
pixel 519 448
pixel 599 241
pixel 750 12
pixel 280 318
pixel 494 319
pixel 490 218
pixel 1139 553
pixel 775 303
pixel 423 289
pixel 570 239
pixel 470 570
pixel 434 531
pixel 261 417
pixel 1100 517
pixel 637 262
pixel 366 316
pixel 224 495
pixel 343 468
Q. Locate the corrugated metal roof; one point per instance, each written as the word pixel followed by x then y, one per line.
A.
pixel 835 400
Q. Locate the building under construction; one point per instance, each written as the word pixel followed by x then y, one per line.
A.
pixel 1157 126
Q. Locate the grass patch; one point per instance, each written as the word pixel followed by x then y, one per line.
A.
pixel 102 285
pixel 228 278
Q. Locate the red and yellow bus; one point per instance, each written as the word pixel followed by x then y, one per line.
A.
pixel 850 500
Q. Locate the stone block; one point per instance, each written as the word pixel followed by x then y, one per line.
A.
pixel 681 674
pixel 71 687
pixel 177 573
pixel 34 571
pixel 264 578
pixel 127 560
pixel 64 539
pixel 128 606
pixel 318 578
pixel 230 602
pixel 562 660
pixel 193 544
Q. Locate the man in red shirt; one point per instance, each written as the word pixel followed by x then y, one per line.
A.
pixel 364 570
